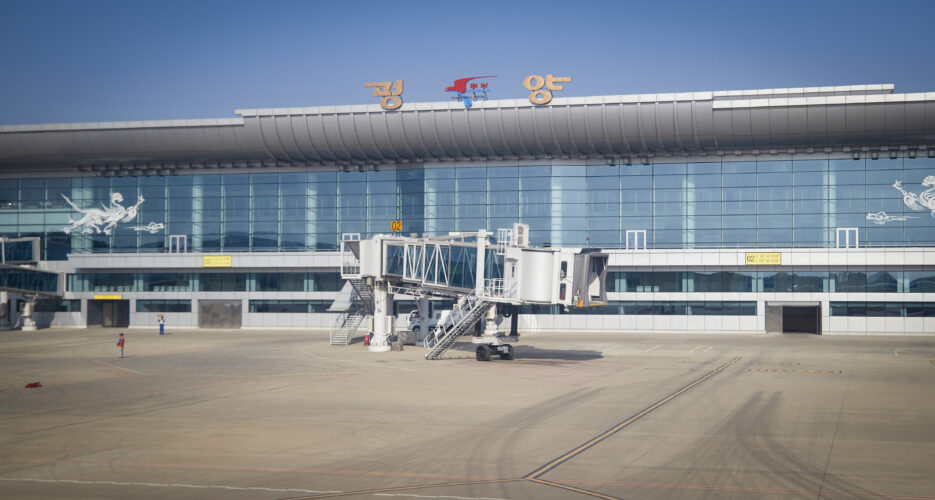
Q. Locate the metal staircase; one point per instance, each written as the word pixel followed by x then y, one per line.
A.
pixel 466 312
pixel 361 306
pixel 364 293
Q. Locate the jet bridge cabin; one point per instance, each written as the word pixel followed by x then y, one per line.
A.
pixel 478 272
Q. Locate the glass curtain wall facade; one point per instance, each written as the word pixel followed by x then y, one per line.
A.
pixel 725 204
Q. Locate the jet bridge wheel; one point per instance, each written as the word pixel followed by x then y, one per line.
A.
pixel 483 352
pixel 508 353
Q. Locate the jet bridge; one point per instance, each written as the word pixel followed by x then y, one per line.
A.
pixel 477 270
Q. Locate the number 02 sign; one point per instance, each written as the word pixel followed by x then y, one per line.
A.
pixel 396 225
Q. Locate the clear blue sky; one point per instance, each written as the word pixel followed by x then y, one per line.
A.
pixel 87 60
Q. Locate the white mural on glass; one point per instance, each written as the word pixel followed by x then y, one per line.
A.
pixel 106 218
pixel 916 202
pixel 151 228
pixel 882 217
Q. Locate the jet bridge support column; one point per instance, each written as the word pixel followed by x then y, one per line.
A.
pixel 382 307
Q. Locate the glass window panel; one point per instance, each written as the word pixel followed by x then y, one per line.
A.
pixel 668 181
pixel 774 166
pixel 503 198
pixel 810 281
pixel 503 211
pixel 739 221
pixel 603 170
pixel 563 196
pixel 603 184
pixel 642 197
pixel 704 181
pixel 569 170
pixel 472 184
pixel 738 237
pixel 848 281
pixel 666 238
pixel 738 167
pixel 439 173
pixel 921 281
pixel 471 173
pixel 703 169
pixel 570 183
pixel 738 180
pixel 705 222
pixel 636 182
pixel 439 185
pixel 352 188
pixel 503 184
pixel 809 165
pixel 603 237
pixel 502 171
pixel 777 281
pixel 535 183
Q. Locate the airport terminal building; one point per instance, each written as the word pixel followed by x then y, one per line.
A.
pixel 804 209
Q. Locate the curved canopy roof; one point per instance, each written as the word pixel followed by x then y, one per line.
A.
pixel 772 120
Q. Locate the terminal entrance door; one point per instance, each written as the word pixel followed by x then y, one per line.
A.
pixel 793 317
pixel 219 314
pixel 109 313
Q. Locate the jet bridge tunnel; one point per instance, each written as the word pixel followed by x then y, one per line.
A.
pixel 477 271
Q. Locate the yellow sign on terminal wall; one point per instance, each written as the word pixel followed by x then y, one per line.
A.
pixel 763 259
pixel 216 261
pixel 108 297
pixel 396 225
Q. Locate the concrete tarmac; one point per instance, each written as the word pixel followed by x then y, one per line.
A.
pixel 274 414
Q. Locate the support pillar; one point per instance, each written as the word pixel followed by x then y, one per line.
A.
pixel 5 316
pixel 382 307
pixel 490 325
pixel 425 318
pixel 29 307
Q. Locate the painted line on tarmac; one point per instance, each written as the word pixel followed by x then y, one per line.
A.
pixel 164 485
pixel 187 466
pixel 412 495
pixel 615 429
pixel 96 362
pixel 404 488
pixel 748 489
pixel 572 488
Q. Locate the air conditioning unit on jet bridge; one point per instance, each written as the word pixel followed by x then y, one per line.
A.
pixel 521 235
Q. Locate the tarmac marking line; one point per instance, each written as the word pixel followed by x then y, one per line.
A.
pixel 111 463
pixel 404 488
pixel 613 430
pixel 748 489
pixel 163 485
pixel 108 365
pixel 572 488
pixel 412 495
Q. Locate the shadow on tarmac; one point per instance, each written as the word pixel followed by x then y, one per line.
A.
pixel 545 356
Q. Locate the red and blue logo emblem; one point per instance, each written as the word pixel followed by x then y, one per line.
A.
pixel 469 92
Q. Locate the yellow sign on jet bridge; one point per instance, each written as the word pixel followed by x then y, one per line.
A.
pixel 216 261
pixel 763 259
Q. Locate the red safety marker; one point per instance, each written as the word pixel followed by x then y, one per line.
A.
pixel 33 385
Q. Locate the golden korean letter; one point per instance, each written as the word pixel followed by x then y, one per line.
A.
pixel 390 93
